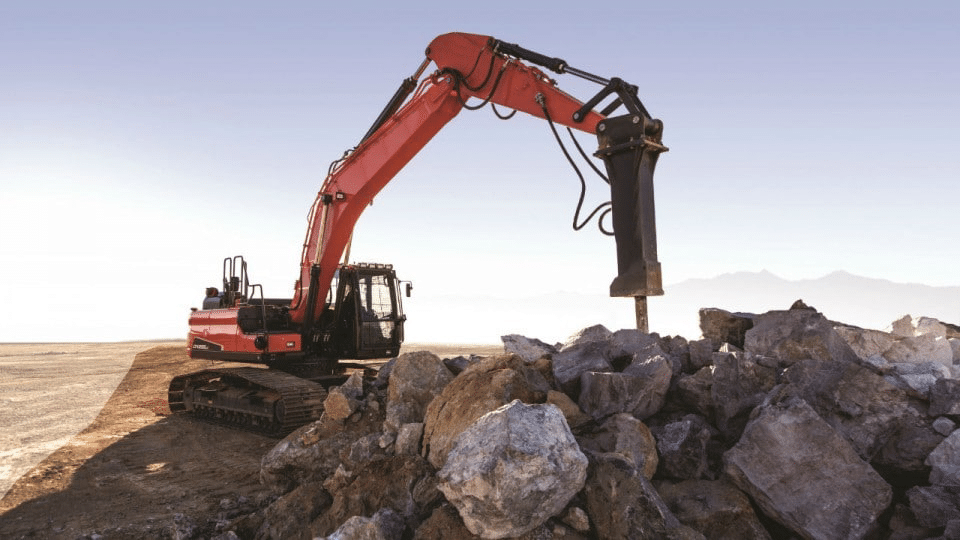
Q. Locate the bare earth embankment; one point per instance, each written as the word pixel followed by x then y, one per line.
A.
pixel 127 463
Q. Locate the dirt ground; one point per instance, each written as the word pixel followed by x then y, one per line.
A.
pixel 135 467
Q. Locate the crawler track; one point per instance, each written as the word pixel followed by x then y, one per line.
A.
pixel 266 401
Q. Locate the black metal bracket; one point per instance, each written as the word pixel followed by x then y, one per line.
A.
pixel 626 95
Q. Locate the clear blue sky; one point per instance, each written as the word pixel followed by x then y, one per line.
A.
pixel 141 143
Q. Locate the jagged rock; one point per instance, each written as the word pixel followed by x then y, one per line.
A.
pixel 903 525
pixel 863 407
pixel 384 525
pixel 573 361
pixel 721 326
pixel 458 364
pixel 305 455
pixel 364 449
pixel 290 515
pixel 183 527
pixel 596 332
pixel 625 435
pixel 917 379
pixel 696 392
pixel 404 484
pixel 796 335
pixel 922 348
pixel 934 506
pixel 415 380
pixel 739 385
pixel 700 355
pixel 444 523
pixel 803 474
pixel 513 469
pixel 482 388
pixel 866 343
pixel 622 503
pixel 908 448
pixel 684 448
pixel 408 439
pixel 529 349
pixel 944 462
pixel 640 390
pixel 955 346
pixel 342 402
pixel 625 346
pixel 944 426
pixel 930 326
pixel 945 398
pixel 716 508
pixel 571 411
pixel 903 327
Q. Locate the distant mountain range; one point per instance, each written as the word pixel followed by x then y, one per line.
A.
pixel 840 296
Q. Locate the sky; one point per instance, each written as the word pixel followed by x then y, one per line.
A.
pixel 142 143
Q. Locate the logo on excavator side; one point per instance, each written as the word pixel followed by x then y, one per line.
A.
pixel 204 345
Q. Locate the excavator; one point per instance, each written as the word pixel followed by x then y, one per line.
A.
pixel 351 311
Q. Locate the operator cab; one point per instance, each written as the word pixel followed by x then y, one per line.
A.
pixel 365 319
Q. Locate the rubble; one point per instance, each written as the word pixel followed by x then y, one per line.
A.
pixel 771 425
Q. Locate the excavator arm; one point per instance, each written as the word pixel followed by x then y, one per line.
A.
pixel 481 67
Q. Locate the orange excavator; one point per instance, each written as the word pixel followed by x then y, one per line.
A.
pixel 342 311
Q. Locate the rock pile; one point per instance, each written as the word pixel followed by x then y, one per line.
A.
pixel 774 425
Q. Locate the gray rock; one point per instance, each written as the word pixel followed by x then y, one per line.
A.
pixel 415 380
pixel 623 434
pixel 739 385
pixel 384 525
pixel 944 462
pixel 529 349
pixel 641 390
pixel 573 361
pixel 944 425
pixel 930 326
pixel 684 448
pixel 700 355
pixel 715 508
pixel 802 473
pixel 907 449
pixel 795 335
pixel 903 327
pixel 722 326
pixel 866 343
pixel 955 345
pixel 696 392
pixel 628 343
pixel 622 503
pixel 338 406
pixel 597 332
pixel 934 506
pixel 945 398
pixel 922 348
pixel 480 389
pixel 863 407
pixel 917 379
pixel 459 364
pixel 408 439
pixel 512 470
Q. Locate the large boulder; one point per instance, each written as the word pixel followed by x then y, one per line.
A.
pixel 640 390
pixel 530 349
pixel 716 508
pixel 935 506
pixel 482 388
pixel 384 525
pixel 686 448
pixel 797 334
pixel 625 435
pixel 721 326
pixel 803 474
pixel 944 462
pixel 866 343
pixel 306 455
pixel 416 378
pixel 622 503
pixel 739 385
pixel 290 515
pixel 512 470
pixel 921 348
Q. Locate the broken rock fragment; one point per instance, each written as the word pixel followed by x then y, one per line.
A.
pixel 512 470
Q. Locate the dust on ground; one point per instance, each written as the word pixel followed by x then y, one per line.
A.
pixel 136 466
